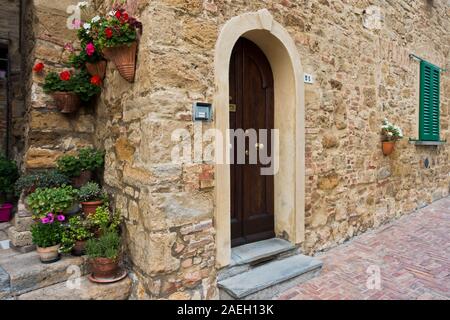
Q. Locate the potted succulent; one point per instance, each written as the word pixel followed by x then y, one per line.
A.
pixel 61 199
pixel 80 168
pixel 69 89
pixel 75 235
pixel 104 254
pixel 91 197
pixel 390 134
pixel 8 176
pixel 116 35
pixel 28 183
pixel 46 235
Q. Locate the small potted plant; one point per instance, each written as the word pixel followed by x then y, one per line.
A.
pixel 91 197
pixel 61 199
pixel 28 183
pixel 80 168
pixel 104 254
pixel 75 235
pixel 69 89
pixel 390 134
pixel 8 176
pixel 117 35
pixel 46 235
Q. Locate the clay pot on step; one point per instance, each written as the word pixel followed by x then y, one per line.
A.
pixel 124 58
pixel 49 254
pixel 89 207
pixel 66 102
pixel 388 147
pixel 79 247
pixel 84 177
pixel 97 68
pixel 104 268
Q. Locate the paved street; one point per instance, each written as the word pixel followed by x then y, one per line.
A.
pixel 412 255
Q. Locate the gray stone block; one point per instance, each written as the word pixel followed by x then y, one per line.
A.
pixel 270 279
pixel 254 252
pixel 19 239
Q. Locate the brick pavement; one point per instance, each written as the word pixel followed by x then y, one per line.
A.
pixel 412 255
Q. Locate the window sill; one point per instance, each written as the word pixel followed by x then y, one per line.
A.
pixel 426 143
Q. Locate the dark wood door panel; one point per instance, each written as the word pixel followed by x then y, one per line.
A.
pixel 251 90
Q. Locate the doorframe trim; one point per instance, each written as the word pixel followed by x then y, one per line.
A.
pixel 289 194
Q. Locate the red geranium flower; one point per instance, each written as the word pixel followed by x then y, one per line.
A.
pixel 96 80
pixel 108 33
pixel 125 17
pixel 38 67
pixel 64 76
pixel 118 14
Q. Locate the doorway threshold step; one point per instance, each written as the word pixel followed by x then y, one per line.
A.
pixel 270 279
pixel 260 250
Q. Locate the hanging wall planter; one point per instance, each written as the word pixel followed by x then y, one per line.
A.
pixel 96 68
pixel 66 102
pixel 124 58
pixel 388 147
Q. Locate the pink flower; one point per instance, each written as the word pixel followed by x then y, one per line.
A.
pixel 61 218
pixel 90 49
pixel 69 47
pixel 76 23
pixel 45 220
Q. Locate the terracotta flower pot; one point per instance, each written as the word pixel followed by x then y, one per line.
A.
pixel 66 102
pixel 97 68
pixel 124 58
pixel 388 147
pixel 79 247
pixel 49 254
pixel 90 206
pixel 104 267
pixel 84 177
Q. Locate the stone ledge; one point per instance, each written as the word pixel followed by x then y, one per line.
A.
pixel 427 143
pixel 87 291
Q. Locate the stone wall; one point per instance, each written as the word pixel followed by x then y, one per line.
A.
pixel 50 133
pixel 358 56
pixel 359 59
pixel 10 35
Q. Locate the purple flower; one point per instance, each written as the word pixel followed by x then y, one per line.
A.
pixel 69 47
pixel 45 220
pixel 61 218
pixel 76 23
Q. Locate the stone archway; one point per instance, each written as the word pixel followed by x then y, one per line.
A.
pixel 289 183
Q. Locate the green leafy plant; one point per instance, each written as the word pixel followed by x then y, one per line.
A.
pixel 78 60
pixel 91 191
pixel 106 246
pixel 8 175
pixel 116 29
pixel 103 219
pixel 87 159
pixel 80 83
pixel 40 179
pixel 90 158
pixel 69 165
pixel 48 231
pixel 45 200
pixel 390 132
pixel 76 230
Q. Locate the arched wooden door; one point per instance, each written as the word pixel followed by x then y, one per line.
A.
pixel 251 107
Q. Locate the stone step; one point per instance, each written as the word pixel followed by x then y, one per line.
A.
pixel 85 291
pixel 254 252
pixel 26 272
pixel 270 279
pixel 248 256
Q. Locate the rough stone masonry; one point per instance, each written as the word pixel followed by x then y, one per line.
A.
pixel 358 53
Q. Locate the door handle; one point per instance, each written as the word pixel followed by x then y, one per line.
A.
pixel 259 146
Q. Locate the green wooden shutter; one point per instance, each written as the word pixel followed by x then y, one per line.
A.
pixel 429 102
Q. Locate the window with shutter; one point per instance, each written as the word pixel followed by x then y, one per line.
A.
pixel 429 102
